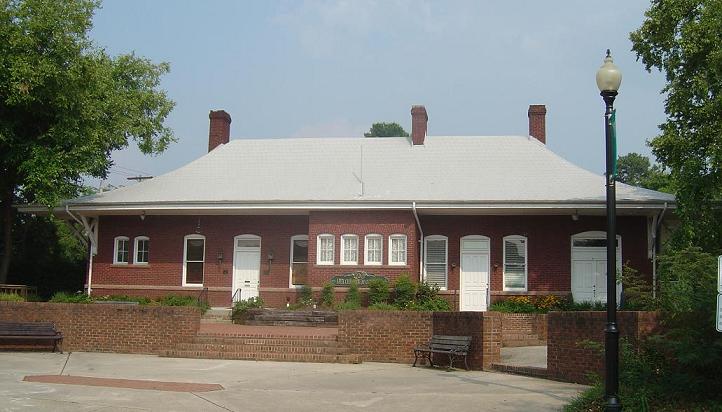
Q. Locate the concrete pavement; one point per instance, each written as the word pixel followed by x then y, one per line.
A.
pixel 267 386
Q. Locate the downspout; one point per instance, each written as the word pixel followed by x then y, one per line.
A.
pixel 90 250
pixel 655 238
pixel 421 242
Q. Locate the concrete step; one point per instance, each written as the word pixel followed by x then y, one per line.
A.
pixel 220 347
pixel 217 313
pixel 290 323
pixel 263 356
pixel 254 340
pixel 521 343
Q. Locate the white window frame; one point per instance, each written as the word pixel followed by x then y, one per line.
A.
pixel 137 240
pixel 185 254
pixel 345 238
pixel 366 249
pixel 406 251
pixel 318 249
pixel 116 241
pixel 526 263
pixel 290 260
pixel 446 259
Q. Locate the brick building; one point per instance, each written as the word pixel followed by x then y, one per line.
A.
pixel 483 217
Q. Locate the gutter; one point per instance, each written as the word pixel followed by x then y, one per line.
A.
pixel 655 244
pixel 421 242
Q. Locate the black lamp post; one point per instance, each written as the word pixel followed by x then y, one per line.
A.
pixel 608 80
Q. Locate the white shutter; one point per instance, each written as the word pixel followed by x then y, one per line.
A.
pixel 515 263
pixel 435 262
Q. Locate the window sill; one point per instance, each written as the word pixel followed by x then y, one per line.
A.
pixel 130 266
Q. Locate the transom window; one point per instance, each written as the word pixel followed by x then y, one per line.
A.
pixel 299 260
pixel 248 242
pixel 515 263
pixel 324 249
pixel 121 250
pixel 194 252
pixel 435 260
pixel 142 249
pixel 374 249
pixel 349 248
pixel 397 250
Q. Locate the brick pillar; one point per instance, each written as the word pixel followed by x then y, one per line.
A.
pixel 537 122
pixel 220 128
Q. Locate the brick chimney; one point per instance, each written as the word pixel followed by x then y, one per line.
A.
pixel 537 122
pixel 220 128
pixel 419 119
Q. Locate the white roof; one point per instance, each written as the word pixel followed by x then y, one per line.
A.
pixel 445 170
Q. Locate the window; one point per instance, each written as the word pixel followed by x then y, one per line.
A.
pixel 435 260
pixel 194 252
pixel 397 250
pixel 374 250
pixel 349 247
pixel 142 247
pixel 121 252
pixel 299 260
pixel 515 263
pixel 324 250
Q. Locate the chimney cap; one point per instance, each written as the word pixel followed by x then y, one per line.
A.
pixel 219 114
pixel 419 109
pixel 537 109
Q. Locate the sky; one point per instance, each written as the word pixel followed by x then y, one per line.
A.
pixel 332 68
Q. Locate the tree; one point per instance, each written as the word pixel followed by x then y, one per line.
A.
pixel 386 130
pixel 65 105
pixel 636 170
pixel 681 38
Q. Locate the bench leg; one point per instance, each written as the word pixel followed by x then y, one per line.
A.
pixel 466 364
pixel 431 362
pixel 451 361
pixel 416 358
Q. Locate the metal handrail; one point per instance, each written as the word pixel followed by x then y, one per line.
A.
pixel 236 293
pixel 203 296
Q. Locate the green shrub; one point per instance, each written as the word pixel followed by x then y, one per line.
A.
pixel 516 304
pixel 404 291
pixel 378 291
pixel 383 306
pixel 240 307
pixel 142 300
pixel 353 297
pixel 11 297
pixel 435 304
pixel 328 296
pixel 347 306
pixel 178 300
pixel 64 297
pixel 636 291
pixel 305 297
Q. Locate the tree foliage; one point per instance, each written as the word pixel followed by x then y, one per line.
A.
pixel 636 170
pixel 65 104
pixel 386 130
pixel 681 38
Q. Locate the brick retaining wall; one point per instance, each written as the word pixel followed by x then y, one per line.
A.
pixel 108 327
pixel 568 360
pixel 523 329
pixel 390 336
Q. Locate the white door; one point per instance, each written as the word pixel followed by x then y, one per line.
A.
pixel 589 267
pixel 246 267
pixel 474 273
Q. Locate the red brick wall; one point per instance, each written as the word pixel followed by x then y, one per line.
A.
pixel 549 251
pixel 384 336
pixel 362 224
pixel 549 244
pixel 390 336
pixel 523 329
pixel 569 360
pixel 484 329
pixel 108 327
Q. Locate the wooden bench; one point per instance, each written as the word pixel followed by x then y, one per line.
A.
pixel 30 331
pixel 453 346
